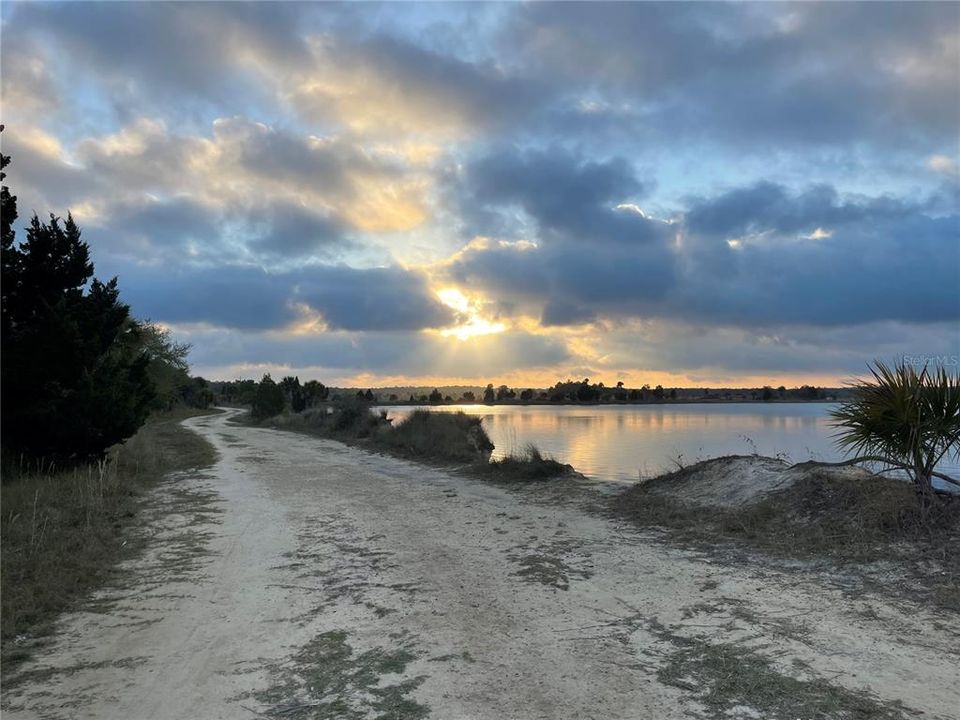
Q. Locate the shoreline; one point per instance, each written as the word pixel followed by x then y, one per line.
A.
pixel 626 403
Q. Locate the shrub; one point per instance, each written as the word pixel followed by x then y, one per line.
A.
pixel 904 419
pixel 443 436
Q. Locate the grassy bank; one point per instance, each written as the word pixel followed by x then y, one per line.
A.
pixel 529 464
pixel 847 520
pixel 434 437
pixel 63 532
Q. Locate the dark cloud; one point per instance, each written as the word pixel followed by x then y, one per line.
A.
pixel 876 259
pixel 171 224
pixel 385 353
pixel 232 297
pixel 181 231
pixel 372 299
pixel 250 298
pixel 160 51
pixel 570 199
pixel 807 73
pixel 592 254
pixel 571 281
pixel 755 256
pixel 286 231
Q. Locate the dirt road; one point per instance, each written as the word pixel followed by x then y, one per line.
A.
pixel 301 578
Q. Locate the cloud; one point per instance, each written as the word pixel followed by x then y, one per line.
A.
pixel 153 53
pixel 393 353
pixel 745 174
pixel 755 256
pixel 566 195
pixel 943 164
pixel 876 259
pixel 372 299
pixel 245 188
pixel 806 73
pixel 245 298
pixel 384 85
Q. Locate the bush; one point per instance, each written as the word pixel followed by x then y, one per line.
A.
pixel 442 436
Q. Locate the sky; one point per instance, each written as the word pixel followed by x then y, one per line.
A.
pixel 388 194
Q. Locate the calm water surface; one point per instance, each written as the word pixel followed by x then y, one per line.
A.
pixel 624 442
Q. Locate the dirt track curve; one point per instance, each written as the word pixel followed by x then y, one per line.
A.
pixel 301 578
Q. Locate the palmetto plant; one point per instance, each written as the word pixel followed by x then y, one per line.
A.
pixel 906 419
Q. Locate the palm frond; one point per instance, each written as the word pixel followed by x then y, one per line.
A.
pixel 907 417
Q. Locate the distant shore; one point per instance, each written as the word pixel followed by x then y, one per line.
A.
pixel 692 401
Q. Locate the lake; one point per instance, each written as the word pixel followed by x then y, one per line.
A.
pixel 625 442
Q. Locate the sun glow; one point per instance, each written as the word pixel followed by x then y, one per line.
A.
pixel 469 323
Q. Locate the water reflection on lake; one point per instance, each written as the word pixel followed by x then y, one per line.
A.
pixel 622 442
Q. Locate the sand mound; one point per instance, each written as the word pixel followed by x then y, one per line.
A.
pixel 737 480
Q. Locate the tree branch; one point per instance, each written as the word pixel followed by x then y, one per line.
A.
pixel 945 478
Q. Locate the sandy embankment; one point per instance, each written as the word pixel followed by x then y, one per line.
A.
pixel 303 578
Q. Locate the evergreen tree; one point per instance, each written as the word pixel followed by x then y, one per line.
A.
pixel 269 400
pixel 74 373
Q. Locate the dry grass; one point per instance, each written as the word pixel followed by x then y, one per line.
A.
pixel 845 521
pixel 63 532
pixel 528 465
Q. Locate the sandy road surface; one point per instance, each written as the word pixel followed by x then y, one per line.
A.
pixel 302 578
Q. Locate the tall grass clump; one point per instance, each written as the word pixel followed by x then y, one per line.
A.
pixel 905 420
pixel 526 465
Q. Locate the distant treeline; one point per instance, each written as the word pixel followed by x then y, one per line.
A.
pixel 583 391
pixel 269 397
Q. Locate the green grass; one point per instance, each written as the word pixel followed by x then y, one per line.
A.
pixel 62 532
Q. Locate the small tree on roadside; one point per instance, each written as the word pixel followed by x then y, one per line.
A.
pixel 269 400
pixel 904 419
